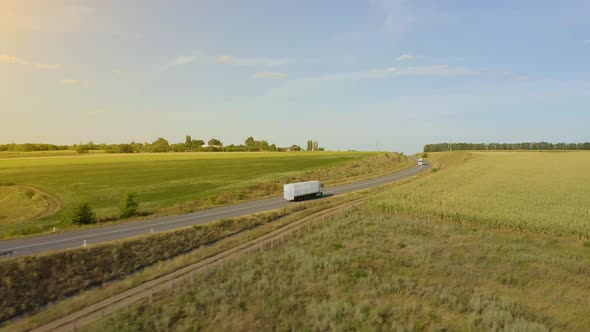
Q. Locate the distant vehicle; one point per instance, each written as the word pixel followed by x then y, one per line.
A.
pixel 6 252
pixel 302 190
pixel 421 162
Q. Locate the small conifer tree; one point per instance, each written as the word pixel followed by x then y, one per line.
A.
pixel 83 215
pixel 129 205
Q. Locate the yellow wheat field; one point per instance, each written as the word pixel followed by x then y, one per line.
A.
pixel 539 191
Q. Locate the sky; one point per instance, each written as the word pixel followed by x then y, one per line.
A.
pixel 364 75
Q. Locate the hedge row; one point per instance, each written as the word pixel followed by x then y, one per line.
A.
pixel 28 283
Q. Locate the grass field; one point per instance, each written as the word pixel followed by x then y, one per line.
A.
pixel 514 263
pixel 371 270
pixel 538 191
pixel 174 182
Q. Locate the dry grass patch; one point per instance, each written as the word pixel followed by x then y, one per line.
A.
pixel 22 203
pixel 371 270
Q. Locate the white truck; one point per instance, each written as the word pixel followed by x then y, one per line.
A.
pixel 420 162
pixel 302 190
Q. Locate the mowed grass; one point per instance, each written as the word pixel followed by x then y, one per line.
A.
pixel 161 180
pixel 370 270
pixel 545 192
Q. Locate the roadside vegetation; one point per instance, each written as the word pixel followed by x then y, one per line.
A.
pixel 29 283
pixel 32 281
pixel 374 270
pixel 172 183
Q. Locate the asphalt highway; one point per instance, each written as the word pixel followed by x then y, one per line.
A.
pixel 73 239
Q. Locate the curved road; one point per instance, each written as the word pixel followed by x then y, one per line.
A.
pixel 72 239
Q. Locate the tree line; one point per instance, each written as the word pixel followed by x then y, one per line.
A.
pixel 28 147
pixel 440 147
pixel 159 145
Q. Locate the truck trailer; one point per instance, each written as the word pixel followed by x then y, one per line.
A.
pixel 302 190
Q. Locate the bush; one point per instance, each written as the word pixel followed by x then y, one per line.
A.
pixel 82 149
pixel 83 215
pixel 129 205
pixel 126 148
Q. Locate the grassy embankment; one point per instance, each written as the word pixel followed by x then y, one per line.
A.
pixel 33 281
pixel 374 268
pixel 174 183
pixel 28 283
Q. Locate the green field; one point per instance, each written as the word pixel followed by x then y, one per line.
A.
pixel 514 262
pixel 538 191
pixel 174 182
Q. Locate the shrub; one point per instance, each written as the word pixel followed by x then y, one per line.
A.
pixel 129 205
pixel 83 215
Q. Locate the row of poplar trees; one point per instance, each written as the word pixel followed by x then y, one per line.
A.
pixel 313 145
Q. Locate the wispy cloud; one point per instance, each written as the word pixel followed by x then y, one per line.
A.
pixel 10 59
pixel 395 13
pixel 435 70
pixel 180 60
pixel 248 62
pixel 405 57
pixel 270 75
pixel 225 59
pixel 70 82
pixel 184 60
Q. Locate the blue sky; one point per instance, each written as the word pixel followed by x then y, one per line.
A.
pixel 372 74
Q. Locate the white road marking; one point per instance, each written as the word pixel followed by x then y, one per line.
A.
pixel 140 227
